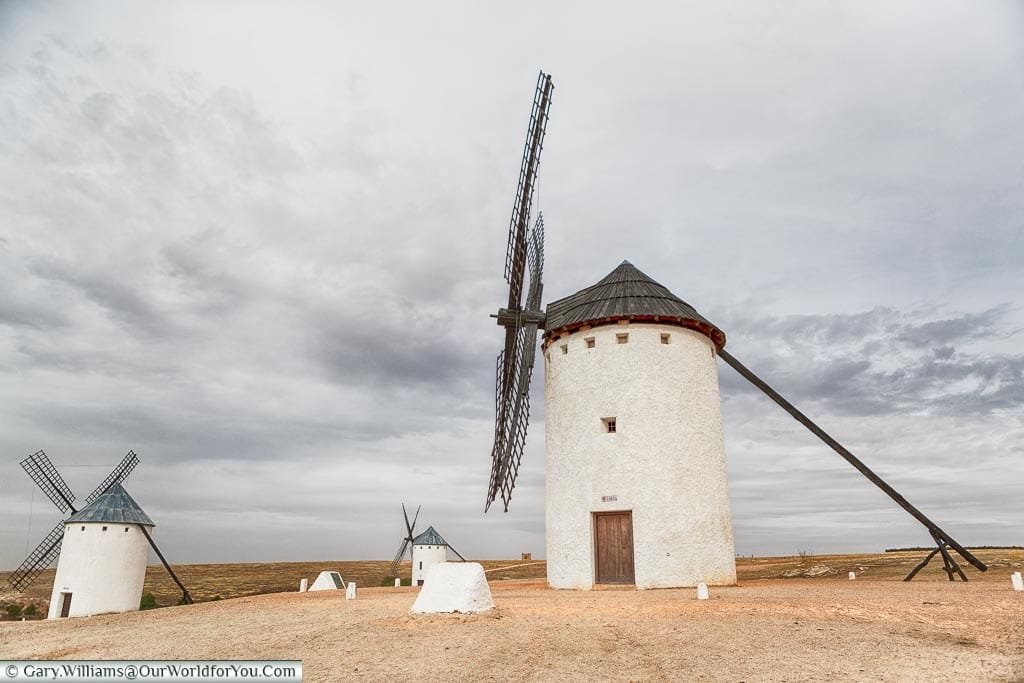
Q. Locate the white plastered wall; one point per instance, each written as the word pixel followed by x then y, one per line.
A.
pixel 665 462
pixel 423 557
pixel 103 570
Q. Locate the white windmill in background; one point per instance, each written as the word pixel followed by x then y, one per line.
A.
pixel 103 547
pixel 425 549
pixel 636 487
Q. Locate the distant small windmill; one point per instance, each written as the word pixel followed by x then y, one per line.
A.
pixel 633 420
pixel 43 472
pixel 428 549
pixel 424 549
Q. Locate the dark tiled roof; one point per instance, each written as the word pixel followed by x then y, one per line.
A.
pixel 114 506
pixel 626 293
pixel 429 537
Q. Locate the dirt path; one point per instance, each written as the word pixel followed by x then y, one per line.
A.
pixel 761 631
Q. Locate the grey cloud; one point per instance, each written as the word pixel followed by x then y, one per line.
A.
pixel 883 360
pixel 117 293
pixel 268 267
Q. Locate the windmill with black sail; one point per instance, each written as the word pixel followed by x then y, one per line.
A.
pixel 635 475
pixel 108 566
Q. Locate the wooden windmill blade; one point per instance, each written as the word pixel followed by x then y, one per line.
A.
pixel 941 538
pixel 406 542
pixel 42 471
pixel 38 560
pixel 515 363
pixel 116 476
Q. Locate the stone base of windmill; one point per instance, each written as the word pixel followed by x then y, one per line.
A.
pixel 454 587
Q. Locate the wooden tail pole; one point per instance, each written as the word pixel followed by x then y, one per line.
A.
pixel 186 599
pixel 941 537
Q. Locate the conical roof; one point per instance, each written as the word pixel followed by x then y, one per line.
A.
pixel 429 537
pixel 115 506
pixel 626 293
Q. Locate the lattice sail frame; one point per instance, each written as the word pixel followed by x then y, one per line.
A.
pixel 514 375
pixel 119 474
pixel 45 475
pixel 515 363
pixel 406 542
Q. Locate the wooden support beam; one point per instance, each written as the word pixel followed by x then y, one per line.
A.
pixel 921 565
pixel 186 598
pixel 950 563
pixel 933 528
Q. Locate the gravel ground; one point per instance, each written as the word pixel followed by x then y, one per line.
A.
pixel 766 630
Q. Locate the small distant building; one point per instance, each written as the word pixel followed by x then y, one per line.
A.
pixel 428 549
pixel 103 557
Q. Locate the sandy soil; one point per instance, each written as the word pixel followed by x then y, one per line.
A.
pixel 764 630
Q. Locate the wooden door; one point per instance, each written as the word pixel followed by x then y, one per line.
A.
pixel 65 604
pixel 613 547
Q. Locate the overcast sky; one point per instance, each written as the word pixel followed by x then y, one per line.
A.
pixel 258 243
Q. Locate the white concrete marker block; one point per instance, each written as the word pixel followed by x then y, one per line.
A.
pixel 303 585
pixel 350 591
pixel 702 591
pixel 328 581
pixel 853 575
pixel 454 587
pixel 398 583
pixel 1018 581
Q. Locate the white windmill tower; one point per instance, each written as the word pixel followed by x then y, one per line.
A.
pixel 428 549
pixel 102 564
pixel 636 487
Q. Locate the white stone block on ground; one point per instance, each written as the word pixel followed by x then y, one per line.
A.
pixel 303 585
pixel 852 576
pixel 350 591
pixel 328 581
pixel 454 587
pixel 398 583
pixel 702 591
pixel 1018 581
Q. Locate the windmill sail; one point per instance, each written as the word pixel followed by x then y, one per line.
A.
pixel 38 560
pixel 406 542
pixel 119 474
pixel 515 362
pixel 48 479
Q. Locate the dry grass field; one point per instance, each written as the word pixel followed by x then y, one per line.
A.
pixel 223 581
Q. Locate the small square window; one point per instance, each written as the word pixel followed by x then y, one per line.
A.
pixel 126 529
pixel 83 528
pixel 666 338
pixel 104 528
pixel 590 342
pixel 622 338
pixel 609 424
pixel 565 349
